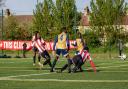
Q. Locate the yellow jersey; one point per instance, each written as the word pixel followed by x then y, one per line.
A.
pixel 79 44
pixel 61 41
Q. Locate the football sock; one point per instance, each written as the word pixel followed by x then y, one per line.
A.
pixel 39 58
pixel 34 59
pixel 69 65
pixel 93 65
pixel 64 67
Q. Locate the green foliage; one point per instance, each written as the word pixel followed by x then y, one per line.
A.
pixel 106 17
pixel 50 17
pixel 13 30
pixel 10 26
pixel 92 39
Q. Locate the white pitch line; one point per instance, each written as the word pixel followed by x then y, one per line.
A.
pixel 24 75
pixel 115 71
pixel 58 80
pixel 32 67
pixel 112 63
pixel 113 66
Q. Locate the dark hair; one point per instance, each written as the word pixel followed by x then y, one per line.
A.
pixel 63 29
pixel 36 32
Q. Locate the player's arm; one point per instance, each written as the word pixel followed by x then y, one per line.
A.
pixel 74 44
pixel 55 41
pixel 43 42
pixel 67 41
pixel 31 46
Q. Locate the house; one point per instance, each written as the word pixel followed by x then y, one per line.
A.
pixel 20 18
pixel 85 20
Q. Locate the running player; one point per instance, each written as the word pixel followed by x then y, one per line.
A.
pixel 35 50
pixel 40 45
pixel 61 46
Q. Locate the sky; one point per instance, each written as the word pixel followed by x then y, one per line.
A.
pixel 25 7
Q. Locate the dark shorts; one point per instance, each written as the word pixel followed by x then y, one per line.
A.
pixel 45 55
pixel 35 49
pixel 61 51
pixel 77 59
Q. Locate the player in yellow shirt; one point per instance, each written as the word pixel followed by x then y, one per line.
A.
pixel 80 44
pixel 61 46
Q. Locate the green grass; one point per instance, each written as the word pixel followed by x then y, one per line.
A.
pixel 20 74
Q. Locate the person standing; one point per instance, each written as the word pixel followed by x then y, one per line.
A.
pixel 24 50
pixel 120 44
pixel 35 50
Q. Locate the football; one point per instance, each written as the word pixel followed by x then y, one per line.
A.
pixel 123 57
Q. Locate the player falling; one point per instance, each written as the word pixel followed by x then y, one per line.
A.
pixel 81 57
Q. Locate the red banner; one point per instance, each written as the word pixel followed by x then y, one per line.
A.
pixel 18 45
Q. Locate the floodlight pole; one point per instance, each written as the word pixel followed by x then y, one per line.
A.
pixel 2 28
pixel 75 21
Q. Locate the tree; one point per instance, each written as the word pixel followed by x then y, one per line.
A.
pixel 65 14
pixel 50 17
pixel 10 26
pixel 43 17
pixel 106 17
pixel 14 30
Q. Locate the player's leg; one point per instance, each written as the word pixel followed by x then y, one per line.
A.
pixel 77 60
pixel 39 63
pixel 66 54
pixel 58 51
pixel 91 63
pixel 39 57
pixel 64 67
pixel 34 57
pixel 46 55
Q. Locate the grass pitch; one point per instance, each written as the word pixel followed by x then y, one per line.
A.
pixel 21 74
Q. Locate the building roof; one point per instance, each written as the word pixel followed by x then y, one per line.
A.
pixel 125 20
pixel 85 20
pixel 24 18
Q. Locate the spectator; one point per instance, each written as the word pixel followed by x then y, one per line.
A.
pixel 24 50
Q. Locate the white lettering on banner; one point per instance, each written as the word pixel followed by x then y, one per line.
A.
pixel 1 44
pixel 5 45
pixel 10 45
pixel 15 45
pixel 18 45
pixel 28 44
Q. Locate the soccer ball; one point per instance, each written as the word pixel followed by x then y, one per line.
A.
pixel 123 57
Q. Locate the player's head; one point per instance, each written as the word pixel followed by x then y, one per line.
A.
pixel 63 29
pixel 78 35
pixel 36 34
